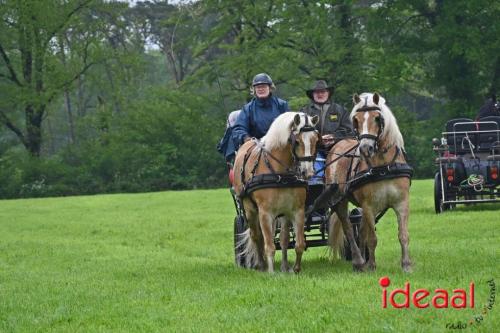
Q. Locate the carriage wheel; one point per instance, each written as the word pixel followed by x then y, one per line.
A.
pixel 355 219
pixel 437 193
pixel 439 206
pixel 239 228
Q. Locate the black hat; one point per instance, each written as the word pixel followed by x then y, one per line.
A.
pixel 319 85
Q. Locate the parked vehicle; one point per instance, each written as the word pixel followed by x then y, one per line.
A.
pixel 468 160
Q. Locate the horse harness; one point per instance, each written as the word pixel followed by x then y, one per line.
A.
pixel 377 173
pixel 289 179
pixel 373 174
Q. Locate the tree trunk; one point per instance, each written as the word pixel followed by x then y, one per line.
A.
pixel 33 141
pixel 116 104
pixel 70 116
pixel 66 92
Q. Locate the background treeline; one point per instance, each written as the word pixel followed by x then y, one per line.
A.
pixel 101 96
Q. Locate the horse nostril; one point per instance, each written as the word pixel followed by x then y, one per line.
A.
pixel 363 149
pixel 366 150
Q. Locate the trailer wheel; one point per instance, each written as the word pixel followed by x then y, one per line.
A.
pixel 239 229
pixel 439 206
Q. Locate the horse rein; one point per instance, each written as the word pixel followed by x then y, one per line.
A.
pixel 296 159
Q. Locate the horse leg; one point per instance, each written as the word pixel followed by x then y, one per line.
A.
pixel 284 242
pixel 342 214
pixel 300 241
pixel 369 237
pixel 402 213
pixel 266 225
pixel 253 244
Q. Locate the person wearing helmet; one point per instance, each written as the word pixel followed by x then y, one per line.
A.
pixel 257 115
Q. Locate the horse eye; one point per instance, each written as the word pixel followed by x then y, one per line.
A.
pixel 377 120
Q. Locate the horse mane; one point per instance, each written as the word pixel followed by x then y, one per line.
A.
pixel 278 134
pixel 391 133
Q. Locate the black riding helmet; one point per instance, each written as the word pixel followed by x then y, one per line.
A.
pixel 262 78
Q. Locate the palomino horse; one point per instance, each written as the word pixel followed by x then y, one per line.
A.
pixel 270 186
pixel 373 175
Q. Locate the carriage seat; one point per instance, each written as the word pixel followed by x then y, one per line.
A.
pixel 231 119
pixel 459 132
pixel 487 141
pixel 493 158
pixel 231 176
pixel 447 159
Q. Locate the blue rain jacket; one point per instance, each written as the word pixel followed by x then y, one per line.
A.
pixel 256 117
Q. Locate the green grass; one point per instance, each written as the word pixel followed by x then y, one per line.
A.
pixel 164 262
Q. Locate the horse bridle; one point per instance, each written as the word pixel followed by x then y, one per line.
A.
pixel 366 108
pixel 293 140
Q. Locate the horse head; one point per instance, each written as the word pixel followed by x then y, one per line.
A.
pixel 304 140
pixel 374 124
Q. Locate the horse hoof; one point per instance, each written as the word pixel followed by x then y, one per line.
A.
pixel 358 267
pixel 371 267
pixel 358 264
pixel 407 268
pixel 296 270
pixel 286 269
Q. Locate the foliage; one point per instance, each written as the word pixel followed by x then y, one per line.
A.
pixel 110 96
pixel 164 262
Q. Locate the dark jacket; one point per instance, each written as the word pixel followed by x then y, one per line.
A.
pixel 256 117
pixel 226 145
pixel 488 109
pixel 333 119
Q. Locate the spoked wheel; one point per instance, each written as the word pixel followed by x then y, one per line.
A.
pixel 239 229
pixel 355 218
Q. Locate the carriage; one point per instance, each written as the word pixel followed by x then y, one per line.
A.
pixel 272 196
pixel 468 161
pixel 316 225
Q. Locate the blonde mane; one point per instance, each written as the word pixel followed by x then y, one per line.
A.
pixel 391 131
pixel 278 134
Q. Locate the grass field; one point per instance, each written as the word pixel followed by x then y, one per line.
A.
pixel 163 262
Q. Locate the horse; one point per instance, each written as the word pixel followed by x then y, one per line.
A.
pixel 372 173
pixel 271 186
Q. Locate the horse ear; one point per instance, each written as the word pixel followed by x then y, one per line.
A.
pixel 296 120
pixel 376 98
pixel 356 99
pixel 314 120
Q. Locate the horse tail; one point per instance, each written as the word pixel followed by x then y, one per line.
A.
pixel 250 252
pixel 336 237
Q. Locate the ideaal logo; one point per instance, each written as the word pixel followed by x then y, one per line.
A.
pixel 423 298
pixel 439 299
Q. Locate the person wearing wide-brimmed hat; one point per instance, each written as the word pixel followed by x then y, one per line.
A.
pixel 334 122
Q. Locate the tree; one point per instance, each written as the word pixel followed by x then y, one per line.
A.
pixel 295 41
pixel 31 72
pixel 446 48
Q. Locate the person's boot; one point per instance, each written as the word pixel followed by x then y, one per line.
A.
pixel 329 198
